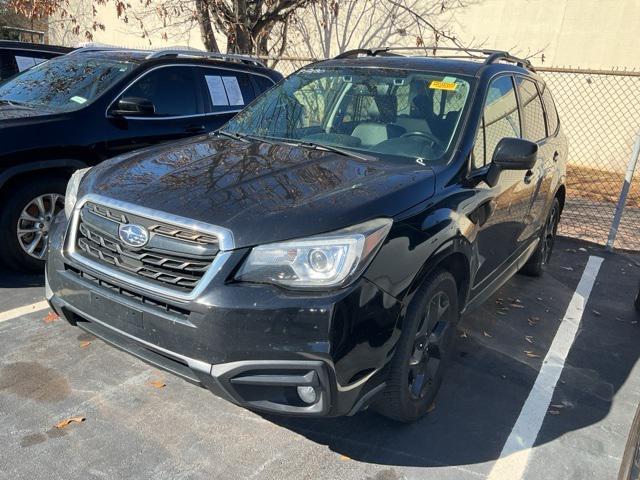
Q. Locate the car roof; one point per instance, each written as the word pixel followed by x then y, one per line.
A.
pixel 427 64
pixel 143 57
pixel 39 47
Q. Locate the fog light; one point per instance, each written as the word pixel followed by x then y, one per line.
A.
pixel 307 394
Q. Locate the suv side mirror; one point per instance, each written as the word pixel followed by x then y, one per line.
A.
pixel 512 154
pixel 134 107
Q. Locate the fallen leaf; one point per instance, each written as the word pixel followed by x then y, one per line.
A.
pixel 486 334
pixel 51 317
pixel 531 354
pixel 516 305
pixel 539 298
pixel 501 313
pixel 463 334
pixel 533 321
pixel 67 421
pixel 554 412
pixel 529 338
pixel 344 458
pixel 582 249
pixel 570 250
pixel 559 406
pixel 431 408
pixel 158 384
pixel 85 343
pixel 568 268
pixel 596 313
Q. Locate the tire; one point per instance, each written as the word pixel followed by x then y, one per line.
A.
pixel 431 321
pixel 540 258
pixel 638 301
pixel 20 207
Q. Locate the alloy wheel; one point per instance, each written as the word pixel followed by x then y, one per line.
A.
pixel 429 346
pixel 34 223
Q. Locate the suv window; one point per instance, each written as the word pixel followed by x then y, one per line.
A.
pixel 552 113
pixel 500 119
pixel 172 90
pixel 7 65
pixel 532 110
pixel 227 90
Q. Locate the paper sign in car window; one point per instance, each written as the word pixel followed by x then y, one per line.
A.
pixel 217 91
pixel 233 90
pixel 442 85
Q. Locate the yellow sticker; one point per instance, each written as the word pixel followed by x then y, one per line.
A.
pixel 437 85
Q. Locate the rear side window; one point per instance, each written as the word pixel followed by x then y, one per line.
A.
pixel 225 90
pixel 25 61
pixel 501 119
pixel 552 113
pixel 532 110
pixel 172 90
pixel 262 83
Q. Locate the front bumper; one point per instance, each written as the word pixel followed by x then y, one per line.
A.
pixel 253 345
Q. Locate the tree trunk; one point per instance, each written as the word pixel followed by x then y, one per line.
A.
pixel 206 29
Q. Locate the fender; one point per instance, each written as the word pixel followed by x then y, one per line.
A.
pixel 11 172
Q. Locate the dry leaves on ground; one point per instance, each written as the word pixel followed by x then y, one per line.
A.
pixel 67 421
pixel 51 317
pixel 157 384
pixel 531 354
pixel 85 343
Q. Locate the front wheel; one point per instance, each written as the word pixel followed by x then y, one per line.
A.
pixel 540 258
pixel 423 350
pixel 25 219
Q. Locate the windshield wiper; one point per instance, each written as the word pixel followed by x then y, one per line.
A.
pixel 331 148
pixel 245 137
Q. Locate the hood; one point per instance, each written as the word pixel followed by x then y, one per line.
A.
pixel 260 191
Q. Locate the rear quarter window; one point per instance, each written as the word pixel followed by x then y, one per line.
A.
pixel 550 106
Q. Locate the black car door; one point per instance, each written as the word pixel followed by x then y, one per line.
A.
pixel 540 180
pixel 500 210
pixel 226 92
pixel 179 109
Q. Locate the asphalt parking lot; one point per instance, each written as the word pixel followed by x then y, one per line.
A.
pixel 141 423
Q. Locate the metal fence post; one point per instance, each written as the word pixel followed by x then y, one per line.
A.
pixel 631 168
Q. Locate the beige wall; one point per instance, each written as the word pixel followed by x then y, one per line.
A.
pixel 598 34
pixel 579 33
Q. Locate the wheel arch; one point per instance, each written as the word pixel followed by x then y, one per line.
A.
pixel 25 170
pixel 453 256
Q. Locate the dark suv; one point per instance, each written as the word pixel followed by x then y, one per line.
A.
pixel 16 57
pixel 74 111
pixel 314 255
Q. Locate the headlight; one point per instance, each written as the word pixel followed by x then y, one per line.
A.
pixel 71 195
pixel 318 262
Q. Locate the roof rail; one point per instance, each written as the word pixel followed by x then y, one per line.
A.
pixel 173 52
pixel 489 56
pixel 219 56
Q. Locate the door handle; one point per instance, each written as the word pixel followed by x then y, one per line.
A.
pixel 556 156
pixel 195 128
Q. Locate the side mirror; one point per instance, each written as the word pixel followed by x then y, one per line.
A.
pixel 512 154
pixel 134 107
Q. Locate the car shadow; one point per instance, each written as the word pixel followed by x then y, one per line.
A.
pixel 9 279
pixel 497 359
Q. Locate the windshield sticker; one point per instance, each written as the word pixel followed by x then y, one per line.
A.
pixel 234 94
pixel 79 100
pixel 437 85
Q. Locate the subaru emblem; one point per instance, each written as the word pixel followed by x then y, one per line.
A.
pixel 133 235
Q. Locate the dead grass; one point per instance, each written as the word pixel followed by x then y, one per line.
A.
pixel 600 185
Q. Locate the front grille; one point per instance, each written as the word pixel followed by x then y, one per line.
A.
pixel 173 256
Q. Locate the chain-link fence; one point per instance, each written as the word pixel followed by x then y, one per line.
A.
pixel 600 115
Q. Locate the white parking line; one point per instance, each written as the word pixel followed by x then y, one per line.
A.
pixel 17 312
pixel 515 454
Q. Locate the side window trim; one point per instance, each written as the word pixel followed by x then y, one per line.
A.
pixel 542 89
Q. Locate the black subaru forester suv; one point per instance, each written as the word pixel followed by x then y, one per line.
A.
pixel 314 255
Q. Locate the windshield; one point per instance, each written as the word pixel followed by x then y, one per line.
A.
pixel 64 83
pixel 378 111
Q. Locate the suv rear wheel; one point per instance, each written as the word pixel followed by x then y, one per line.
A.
pixel 423 351
pixel 536 264
pixel 25 220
